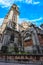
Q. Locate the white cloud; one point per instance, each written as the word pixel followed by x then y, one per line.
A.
pixel 1 21
pixel 28 1
pixel 19 0
pixel 35 21
pixel 36 2
pixel 8 3
pixel 32 2
pixel 38 19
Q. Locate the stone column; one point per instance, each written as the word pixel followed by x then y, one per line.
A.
pixel 6 39
pixel 35 37
pixel 36 42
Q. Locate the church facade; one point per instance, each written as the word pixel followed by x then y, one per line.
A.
pixel 26 37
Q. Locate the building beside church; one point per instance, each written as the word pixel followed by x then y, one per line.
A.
pixel 25 36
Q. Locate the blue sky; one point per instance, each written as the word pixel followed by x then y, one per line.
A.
pixel 30 10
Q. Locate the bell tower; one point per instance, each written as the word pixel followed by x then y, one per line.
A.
pixel 12 17
pixel 15 16
pixel 10 22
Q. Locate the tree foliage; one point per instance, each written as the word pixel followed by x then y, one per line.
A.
pixel 4 49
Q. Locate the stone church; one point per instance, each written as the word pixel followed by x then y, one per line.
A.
pixel 26 36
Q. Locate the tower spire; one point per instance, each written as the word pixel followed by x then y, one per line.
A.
pixel 11 17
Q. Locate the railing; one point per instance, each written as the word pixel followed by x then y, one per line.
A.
pixel 23 57
pixel 26 59
pixel 22 62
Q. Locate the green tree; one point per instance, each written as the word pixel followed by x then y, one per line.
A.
pixel 4 49
pixel 16 49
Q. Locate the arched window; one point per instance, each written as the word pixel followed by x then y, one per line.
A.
pixel 9 24
pixel 12 37
pixel 14 17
